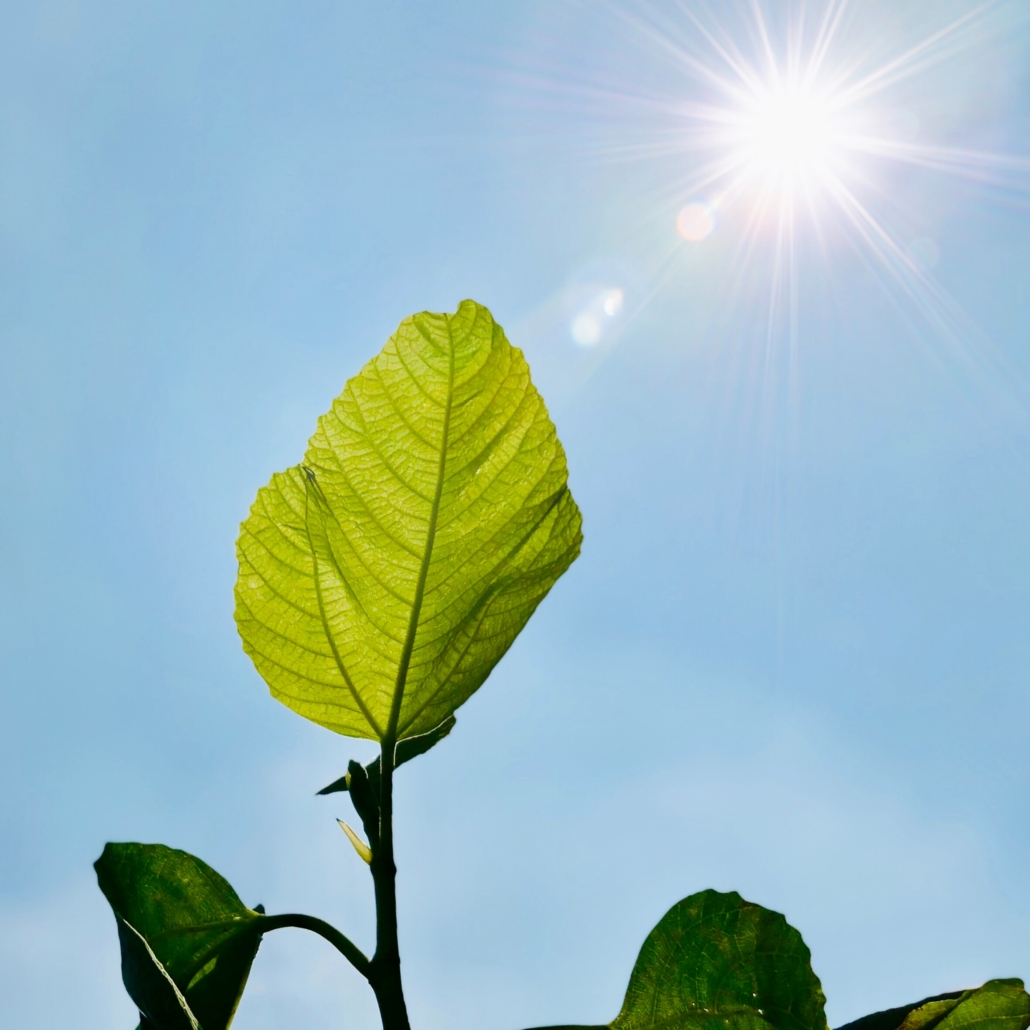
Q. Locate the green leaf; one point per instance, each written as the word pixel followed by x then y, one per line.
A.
pixel 187 940
pixel 405 751
pixel 382 580
pixel 891 1019
pixel 998 1005
pixel 715 962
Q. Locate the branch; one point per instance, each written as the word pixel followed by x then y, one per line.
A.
pixel 350 951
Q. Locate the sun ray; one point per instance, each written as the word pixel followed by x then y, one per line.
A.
pixel 929 52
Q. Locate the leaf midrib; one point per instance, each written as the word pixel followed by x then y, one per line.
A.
pixel 423 572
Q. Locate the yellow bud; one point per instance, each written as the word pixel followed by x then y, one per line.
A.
pixel 359 845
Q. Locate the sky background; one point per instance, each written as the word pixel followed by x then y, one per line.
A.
pixel 793 657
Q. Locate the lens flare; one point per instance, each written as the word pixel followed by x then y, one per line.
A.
pixel 595 318
pixel 695 222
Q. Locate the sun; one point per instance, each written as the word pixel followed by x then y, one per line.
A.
pixel 788 133
pixel 783 128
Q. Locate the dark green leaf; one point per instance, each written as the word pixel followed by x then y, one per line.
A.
pixel 342 784
pixel 154 992
pixel 715 962
pixel 180 924
pixel 365 797
pixel 407 749
pixel 412 747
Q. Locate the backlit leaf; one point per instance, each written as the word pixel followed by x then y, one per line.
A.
pixel 387 575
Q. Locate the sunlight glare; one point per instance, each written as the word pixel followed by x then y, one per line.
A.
pixel 788 132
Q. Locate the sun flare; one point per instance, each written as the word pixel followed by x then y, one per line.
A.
pixel 784 126
pixel 779 137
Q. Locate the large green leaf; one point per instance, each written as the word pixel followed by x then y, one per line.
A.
pixel 998 1005
pixel 717 962
pixel 187 940
pixel 386 576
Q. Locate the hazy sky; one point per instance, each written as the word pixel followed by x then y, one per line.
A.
pixel 793 658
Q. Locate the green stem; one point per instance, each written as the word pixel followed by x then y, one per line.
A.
pixel 385 968
pixel 342 944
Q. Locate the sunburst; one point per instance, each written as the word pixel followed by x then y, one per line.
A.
pixel 790 131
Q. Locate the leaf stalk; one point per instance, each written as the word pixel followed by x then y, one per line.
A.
pixel 350 951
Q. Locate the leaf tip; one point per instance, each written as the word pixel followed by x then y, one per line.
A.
pixel 343 783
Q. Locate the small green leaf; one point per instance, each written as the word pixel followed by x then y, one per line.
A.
pixel 412 747
pixel 715 962
pixel 380 582
pixel 366 804
pixel 998 1005
pixel 407 749
pixel 187 940
pixel 342 784
pixel 891 1019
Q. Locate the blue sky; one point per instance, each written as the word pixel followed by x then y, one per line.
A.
pixel 793 657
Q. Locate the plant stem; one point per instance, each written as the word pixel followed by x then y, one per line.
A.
pixel 342 944
pixel 384 972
